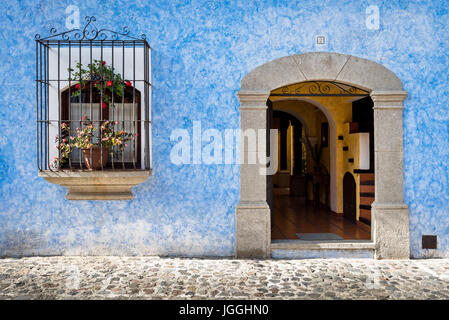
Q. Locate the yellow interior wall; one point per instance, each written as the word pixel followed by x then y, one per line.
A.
pixel 340 108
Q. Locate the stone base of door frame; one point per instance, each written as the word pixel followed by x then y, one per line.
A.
pixel 391 230
pixel 253 230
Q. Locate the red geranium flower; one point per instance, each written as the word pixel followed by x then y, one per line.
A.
pixel 104 105
pixel 103 62
pixel 128 83
pixel 77 86
pixel 109 83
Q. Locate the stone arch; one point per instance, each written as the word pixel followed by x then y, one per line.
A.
pixel 324 66
pixel 390 226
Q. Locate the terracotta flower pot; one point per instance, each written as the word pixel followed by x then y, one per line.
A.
pixel 98 160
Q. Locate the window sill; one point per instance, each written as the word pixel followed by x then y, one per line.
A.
pixel 97 185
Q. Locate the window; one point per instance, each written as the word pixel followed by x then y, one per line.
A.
pixel 93 94
pixel 93 99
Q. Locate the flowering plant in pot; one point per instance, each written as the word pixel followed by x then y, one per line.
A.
pixel 101 77
pixel 95 148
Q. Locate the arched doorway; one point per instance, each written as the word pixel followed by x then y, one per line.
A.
pixel 349 197
pixel 390 231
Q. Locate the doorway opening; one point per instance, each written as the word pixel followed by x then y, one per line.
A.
pixel 324 186
pixel 339 75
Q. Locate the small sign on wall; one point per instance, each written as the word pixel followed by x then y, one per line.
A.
pixel 321 42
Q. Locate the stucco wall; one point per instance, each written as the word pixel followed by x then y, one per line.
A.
pixel 197 64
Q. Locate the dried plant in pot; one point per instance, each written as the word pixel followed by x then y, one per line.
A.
pixel 316 153
pixel 320 174
pixel 94 146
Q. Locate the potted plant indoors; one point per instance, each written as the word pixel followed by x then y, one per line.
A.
pixel 95 147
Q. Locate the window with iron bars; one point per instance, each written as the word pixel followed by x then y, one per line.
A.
pixel 93 98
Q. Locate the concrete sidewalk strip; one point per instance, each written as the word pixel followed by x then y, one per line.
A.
pixel 68 277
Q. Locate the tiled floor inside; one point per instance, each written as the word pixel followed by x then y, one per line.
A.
pixel 291 216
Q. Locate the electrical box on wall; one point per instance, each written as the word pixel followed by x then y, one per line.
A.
pixel 429 242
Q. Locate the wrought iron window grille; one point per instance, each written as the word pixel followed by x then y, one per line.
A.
pixel 93 95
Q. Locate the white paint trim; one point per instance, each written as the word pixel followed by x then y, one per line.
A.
pixel 364 151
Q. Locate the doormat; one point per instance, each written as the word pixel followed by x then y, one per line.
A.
pixel 318 236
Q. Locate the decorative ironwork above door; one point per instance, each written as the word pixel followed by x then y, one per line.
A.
pixel 319 88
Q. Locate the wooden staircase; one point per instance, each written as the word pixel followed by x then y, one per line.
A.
pixel 366 196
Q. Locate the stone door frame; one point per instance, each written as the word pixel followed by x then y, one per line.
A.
pixel 390 218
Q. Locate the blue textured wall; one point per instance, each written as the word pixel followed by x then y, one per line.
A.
pixel 201 50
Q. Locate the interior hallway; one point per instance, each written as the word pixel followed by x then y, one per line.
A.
pixel 291 216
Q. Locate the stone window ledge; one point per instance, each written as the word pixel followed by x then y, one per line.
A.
pixel 97 185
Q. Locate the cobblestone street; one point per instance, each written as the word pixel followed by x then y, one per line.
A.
pixel 179 278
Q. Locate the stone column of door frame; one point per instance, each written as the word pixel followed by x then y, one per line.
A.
pixel 253 225
pixel 390 229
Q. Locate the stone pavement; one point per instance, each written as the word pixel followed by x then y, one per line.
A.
pixel 182 278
